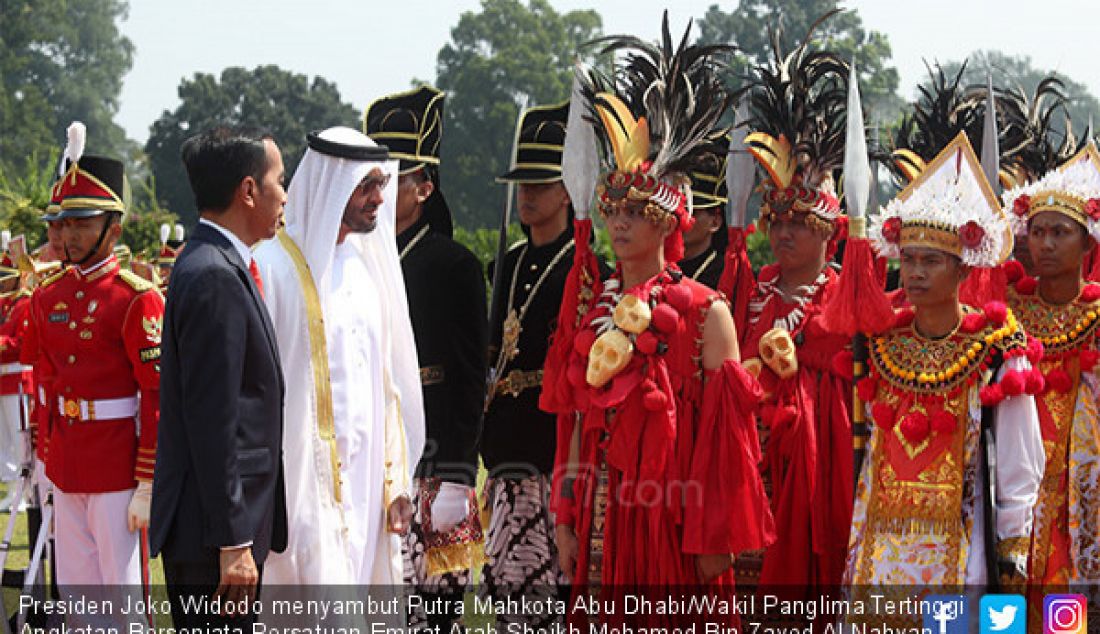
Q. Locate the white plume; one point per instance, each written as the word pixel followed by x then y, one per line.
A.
pixel 5 239
pixel 77 137
pixel 165 231
pixel 180 235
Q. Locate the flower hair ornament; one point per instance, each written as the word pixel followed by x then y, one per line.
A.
pixel 949 207
pixel 1072 190
pixel 653 118
pixel 797 114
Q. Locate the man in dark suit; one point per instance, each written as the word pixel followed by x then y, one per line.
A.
pixel 219 503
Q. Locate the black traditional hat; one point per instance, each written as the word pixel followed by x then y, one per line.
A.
pixel 410 124
pixel 540 145
pixel 708 186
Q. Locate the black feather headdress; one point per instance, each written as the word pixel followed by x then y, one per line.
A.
pixel 797 114
pixel 942 110
pixel 653 116
pixel 1031 139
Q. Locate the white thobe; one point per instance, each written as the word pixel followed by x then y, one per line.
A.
pixel 354 329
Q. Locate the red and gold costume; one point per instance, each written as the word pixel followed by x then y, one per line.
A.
pixel 923 513
pixel 1065 541
pixel 663 464
pixel 805 415
pixel 98 335
pixel 678 445
pixel 808 453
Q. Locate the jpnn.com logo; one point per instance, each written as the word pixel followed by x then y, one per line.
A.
pixel 1064 614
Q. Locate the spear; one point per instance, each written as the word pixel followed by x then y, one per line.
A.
pixel 737 280
pixel 858 305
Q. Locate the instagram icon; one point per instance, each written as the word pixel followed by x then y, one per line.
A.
pixel 1064 614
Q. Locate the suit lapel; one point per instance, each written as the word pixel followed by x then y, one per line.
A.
pixel 229 252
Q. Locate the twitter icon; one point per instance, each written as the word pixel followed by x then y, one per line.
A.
pixel 1003 614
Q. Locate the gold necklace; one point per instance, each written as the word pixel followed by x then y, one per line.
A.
pixel 513 323
pixel 704 265
pixel 412 243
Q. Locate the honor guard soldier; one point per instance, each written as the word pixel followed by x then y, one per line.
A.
pixel 518 440
pixel 446 294
pixel 98 330
pixel 705 241
pixel 15 378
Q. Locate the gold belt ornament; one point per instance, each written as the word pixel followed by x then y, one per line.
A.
pixel 516 381
pixel 431 375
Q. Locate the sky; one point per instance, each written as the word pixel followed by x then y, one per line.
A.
pixel 371 48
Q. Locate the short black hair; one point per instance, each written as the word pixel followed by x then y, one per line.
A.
pixel 218 159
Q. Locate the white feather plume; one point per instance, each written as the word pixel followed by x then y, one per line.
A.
pixel 77 138
pixel 165 231
pixel 180 235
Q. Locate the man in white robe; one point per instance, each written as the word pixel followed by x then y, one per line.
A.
pixel 354 416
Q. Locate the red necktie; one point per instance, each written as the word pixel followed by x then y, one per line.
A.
pixel 255 271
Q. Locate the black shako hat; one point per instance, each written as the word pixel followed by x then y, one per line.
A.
pixel 540 145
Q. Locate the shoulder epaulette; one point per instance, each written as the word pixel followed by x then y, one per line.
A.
pixel 53 278
pixel 135 281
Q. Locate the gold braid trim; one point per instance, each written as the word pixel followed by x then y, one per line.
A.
pixel 318 348
pixel 1013 548
pixel 455 557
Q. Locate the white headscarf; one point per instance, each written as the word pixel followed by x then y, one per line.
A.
pixel 315 206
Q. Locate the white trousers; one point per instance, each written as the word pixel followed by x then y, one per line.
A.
pixel 11 440
pixel 94 545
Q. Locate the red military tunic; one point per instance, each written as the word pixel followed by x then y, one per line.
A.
pixel 99 339
pixel 15 377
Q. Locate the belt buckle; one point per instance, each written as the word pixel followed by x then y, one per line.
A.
pixel 513 383
pixel 72 408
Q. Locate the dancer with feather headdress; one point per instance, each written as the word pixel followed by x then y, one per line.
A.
pixel 797 114
pixel 667 487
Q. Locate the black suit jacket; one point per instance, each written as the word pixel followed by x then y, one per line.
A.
pixel 219 474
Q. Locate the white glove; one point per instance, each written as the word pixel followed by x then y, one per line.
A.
pixel 137 515
pixel 450 506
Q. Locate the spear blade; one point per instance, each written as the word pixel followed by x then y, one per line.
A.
pixel 857 165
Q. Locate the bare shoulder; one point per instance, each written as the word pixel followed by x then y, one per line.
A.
pixel 719 335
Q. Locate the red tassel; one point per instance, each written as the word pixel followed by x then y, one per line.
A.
pixel 972 323
pixel 996 312
pixel 1090 293
pixel 1059 381
pixel 557 391
pixel 842 365
pixel 858 303
pixel 904 317
pixel 582 343
pixel 664 318
pixel 1089 359
pixel 679 296
pixel 915 427
pixel 1034 350
pixel 646 343
pixel 991 395
pixel 866 389
pixel 1027 285
pixel 883 415
pixel 944 422
pixel 1013 271
pixel 1012 383
pixel 983 285
pixel 737 282
pixel 1034 383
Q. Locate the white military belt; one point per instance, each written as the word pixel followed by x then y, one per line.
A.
pixel 13 368
pixel 103 409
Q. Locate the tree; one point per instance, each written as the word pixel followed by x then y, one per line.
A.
pixel 61 60
pixel 287 104
pixel 748 26
pixel 494 60
pixel 1018 72
pixel 24 194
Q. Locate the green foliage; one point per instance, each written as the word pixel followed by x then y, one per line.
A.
pixel 748 25
pixel 141 229
pixel 61 60
pixel 495 58
pixel 24 194
pixel 760 252
pixel 287 104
